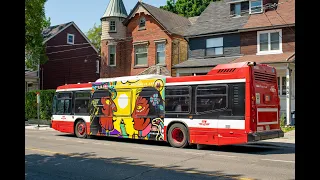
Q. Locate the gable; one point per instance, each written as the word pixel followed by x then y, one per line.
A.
pixel 53 31
pixel 171 22
pixel 138 10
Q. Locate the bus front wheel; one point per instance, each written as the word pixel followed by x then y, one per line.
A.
pixel 80 129
pixel 178 136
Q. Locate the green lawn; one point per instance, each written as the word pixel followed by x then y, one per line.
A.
pixel 287 129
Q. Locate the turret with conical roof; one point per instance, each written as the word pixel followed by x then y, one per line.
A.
pixel 112 45
pixel 111 21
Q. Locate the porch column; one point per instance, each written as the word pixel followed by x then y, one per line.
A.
pixel 288 94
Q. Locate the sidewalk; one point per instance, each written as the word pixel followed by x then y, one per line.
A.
pixel 287 141
pixel 35 127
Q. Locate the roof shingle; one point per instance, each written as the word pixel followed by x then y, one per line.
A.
pixel 216 18
pixel 283 15
pixel 53 30
pixel 205 62
pixel 270 58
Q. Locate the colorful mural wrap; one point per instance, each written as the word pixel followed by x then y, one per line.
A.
pixel 128 109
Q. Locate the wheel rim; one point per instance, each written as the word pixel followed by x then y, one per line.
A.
pixel 177 135
pixel 81 129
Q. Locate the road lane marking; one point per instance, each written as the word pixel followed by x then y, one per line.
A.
pixel 61 139
pixel 57 164
pixel 276 160
pixel 193 153
pixel 46 151
pixel 98 143
pixel 154 149
pixel 84 160
pixel 221 155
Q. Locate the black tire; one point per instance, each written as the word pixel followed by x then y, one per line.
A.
pixel 80 129
pixel 178 142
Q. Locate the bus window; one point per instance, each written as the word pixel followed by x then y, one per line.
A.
pixel 178 99
pixel 81 102
pixel 63 103
pixel 54 104
pixel 211 98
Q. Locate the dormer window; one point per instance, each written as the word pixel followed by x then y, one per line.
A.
pixel 238 8
pixel 112 26
pixel 142 23
pixel 70 39
pixel 256 6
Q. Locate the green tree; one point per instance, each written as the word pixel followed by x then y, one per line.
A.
pixel 35 22
pixel 170 6
pixel 187 8
pixel 94 35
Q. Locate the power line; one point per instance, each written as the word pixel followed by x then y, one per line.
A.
pixel 285 22
pixel 67 45
pixel 68 50
pixel 276 31
pixel 52 60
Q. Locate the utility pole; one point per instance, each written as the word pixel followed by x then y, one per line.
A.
pixel 38 108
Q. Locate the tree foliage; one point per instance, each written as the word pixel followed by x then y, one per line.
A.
pixel 187 8
pixel 94 35
pixel 35 22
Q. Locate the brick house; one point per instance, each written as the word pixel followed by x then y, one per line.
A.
pixel 213 39
pixel 268 37
pixel 230 31
pixel 71 57
pixel 138 43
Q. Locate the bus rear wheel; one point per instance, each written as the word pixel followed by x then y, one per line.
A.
pixel 178 136
pixel 80 129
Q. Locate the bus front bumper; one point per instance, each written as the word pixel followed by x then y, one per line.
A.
pixel 258 136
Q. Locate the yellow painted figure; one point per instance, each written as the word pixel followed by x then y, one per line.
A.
pixel 129 109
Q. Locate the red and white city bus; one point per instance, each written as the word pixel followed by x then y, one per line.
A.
pixel 233 104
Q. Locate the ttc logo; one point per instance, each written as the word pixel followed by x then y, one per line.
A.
pixel 204 123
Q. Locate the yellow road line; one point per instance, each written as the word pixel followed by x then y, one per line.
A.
pixel 42 150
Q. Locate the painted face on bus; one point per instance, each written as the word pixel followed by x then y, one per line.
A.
pixel 108 108
pixel 140 114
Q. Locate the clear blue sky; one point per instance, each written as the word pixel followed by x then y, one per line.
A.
pixel 85 12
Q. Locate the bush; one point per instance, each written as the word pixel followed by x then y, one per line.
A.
pixel 46 97
pixel 283 120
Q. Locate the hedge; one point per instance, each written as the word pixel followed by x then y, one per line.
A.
pixel 46 97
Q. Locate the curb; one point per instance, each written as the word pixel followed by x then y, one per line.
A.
pixel 41 128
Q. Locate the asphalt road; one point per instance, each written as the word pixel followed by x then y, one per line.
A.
pixel 50 155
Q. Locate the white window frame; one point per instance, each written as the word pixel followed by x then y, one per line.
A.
pixel 255 12
pixel 97 66
pixel 292 84
pixel 115 55
pixel 269 45
pixel 142 27
pixel 157 61
pixel 135 55
pixel 115 26
pixel 72 38
pixel 215 47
